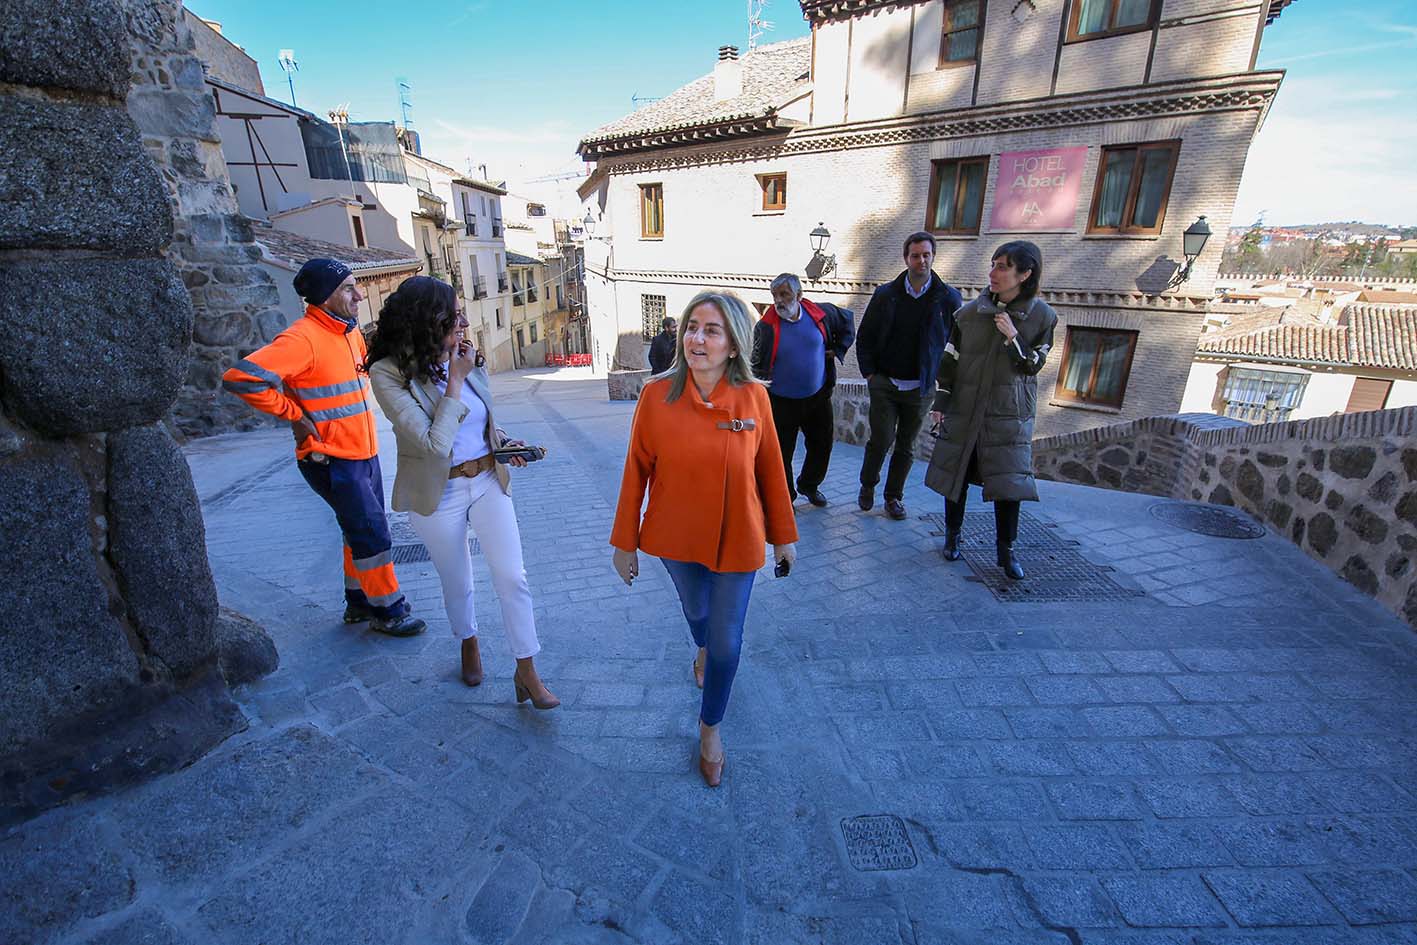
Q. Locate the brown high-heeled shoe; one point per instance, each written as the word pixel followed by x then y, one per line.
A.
pixel 524 693
pixel 712 771
pixel 471 662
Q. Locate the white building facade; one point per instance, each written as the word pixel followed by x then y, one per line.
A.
pixel 1100 130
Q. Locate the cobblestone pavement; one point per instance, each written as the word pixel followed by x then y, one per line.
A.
pixel 1219 747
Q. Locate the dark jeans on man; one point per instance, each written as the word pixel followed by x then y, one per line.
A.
pixel 896 416
pixel 813 417
pixel 1005 510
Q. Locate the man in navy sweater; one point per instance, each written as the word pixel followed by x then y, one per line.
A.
pixel 794 345
pixel 903 335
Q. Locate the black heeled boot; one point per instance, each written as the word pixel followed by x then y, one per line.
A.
pixel 1008 562
pixel 951 550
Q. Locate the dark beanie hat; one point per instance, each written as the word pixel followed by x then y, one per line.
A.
pixel 318 279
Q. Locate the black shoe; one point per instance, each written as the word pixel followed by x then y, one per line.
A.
pixel 866 498
pixel 1008 562
pixel 815 497
pixel 357 613
pixel 895 508
pixel 951 550
pixel 405 626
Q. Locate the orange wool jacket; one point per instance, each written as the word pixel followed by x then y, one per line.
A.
pixel 312 369
pixel 715 495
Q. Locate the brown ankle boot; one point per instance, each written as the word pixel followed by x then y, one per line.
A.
pixel 471 662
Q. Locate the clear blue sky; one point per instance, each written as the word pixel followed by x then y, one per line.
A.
pixel 506 84
pixel 514 85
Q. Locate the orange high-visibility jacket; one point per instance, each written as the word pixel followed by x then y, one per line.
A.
pixel 311 369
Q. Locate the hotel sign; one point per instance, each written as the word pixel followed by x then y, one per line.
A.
pixel 1038 190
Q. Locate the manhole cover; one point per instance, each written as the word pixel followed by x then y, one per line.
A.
pixel 1056 571
pixel 1214 520
pixel 878 842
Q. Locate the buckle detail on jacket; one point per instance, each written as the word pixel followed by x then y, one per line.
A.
pixel 738 426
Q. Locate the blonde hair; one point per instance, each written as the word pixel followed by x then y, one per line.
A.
pixel 739 323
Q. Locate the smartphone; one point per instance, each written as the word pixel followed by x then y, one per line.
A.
pixel 529 453
pixel 783 569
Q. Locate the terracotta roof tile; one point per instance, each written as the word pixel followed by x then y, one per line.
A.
pixel 770 74
pixel 1380 336
pixel 295 250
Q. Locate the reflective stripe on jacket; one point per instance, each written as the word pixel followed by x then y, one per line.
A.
pixel 311 369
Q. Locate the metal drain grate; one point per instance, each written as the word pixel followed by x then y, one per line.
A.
pixel 417 551
pixel 1056 571
pixel 878 842
pixel 1216 521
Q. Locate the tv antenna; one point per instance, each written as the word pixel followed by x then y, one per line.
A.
pixel 637 100
pixel 289 66
pixel 757 26
pixel 405 103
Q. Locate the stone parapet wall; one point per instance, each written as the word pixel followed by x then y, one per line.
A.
pixel 851 406
pixel 626 385
pixel 108 611
pixel 1343 487
pixel 234 302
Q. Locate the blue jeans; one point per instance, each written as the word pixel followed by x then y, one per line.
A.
pixel 715 605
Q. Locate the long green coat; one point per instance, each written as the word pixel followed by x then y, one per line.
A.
pixel 989 394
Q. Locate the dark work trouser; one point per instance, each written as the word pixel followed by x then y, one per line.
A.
pixel 1006 511
pixel 354 488
pixel 813 417
pixel 896 416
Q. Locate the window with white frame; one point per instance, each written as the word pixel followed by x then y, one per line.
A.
pixel 1262 396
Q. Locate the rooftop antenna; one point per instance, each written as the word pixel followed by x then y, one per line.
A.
pixel 405 102
pixel 289 66
pixel 757 26
pixel 637 100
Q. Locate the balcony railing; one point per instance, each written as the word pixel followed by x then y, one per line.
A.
pixel 496 227
pixel 502 282
pixel 479 287
pixel 531 293
pixel 470 227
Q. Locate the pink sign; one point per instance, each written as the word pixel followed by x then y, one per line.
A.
pixel 1038 190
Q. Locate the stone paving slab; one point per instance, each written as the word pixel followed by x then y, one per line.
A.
pixel 1229 757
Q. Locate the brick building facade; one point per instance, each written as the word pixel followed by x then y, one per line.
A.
pixel 1124 132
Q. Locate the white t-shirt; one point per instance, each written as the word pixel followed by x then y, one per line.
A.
pixel 471 441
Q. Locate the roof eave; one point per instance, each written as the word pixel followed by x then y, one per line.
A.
pixel 685 135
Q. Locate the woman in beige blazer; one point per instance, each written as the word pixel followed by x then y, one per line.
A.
pixel 431 385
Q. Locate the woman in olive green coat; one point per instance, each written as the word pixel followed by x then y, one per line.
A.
pixel 988 395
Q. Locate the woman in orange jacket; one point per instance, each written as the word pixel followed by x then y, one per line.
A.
pixel 703 442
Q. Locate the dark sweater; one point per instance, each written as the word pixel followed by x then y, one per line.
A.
pixel 900 358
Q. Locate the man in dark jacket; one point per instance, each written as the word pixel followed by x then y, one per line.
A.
pixel 903 334
pixel 794 344
pixel 661 348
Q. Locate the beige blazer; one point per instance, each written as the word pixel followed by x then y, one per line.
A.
pixel 425 425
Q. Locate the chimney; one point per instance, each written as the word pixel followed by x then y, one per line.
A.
pixel 727 74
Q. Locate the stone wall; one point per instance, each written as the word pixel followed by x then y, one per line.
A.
pixel 235 303
pixel 108 612
pixel 1343 487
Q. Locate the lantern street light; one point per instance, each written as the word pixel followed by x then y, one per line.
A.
pixel 1192 242
pixel 821 263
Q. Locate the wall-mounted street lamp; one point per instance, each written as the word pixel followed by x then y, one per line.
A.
pixel 821 263
pixel 1192 242
pixel 589 223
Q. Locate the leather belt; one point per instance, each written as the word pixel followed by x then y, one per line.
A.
pixel 738 426
pixel 473 467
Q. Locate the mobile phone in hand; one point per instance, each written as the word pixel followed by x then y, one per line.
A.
pixel 783 569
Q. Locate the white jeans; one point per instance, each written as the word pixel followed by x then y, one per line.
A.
pixel 481 503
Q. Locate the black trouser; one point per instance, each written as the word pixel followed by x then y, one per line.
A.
pixel 813 417
pixel 1005 510
pixel 896 416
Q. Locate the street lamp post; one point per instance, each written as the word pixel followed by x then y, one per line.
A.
pixel 820 264
pixel 1192 242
